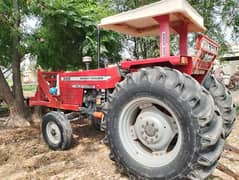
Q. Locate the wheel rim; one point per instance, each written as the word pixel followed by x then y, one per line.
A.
pixel 53 133
pixel 149 131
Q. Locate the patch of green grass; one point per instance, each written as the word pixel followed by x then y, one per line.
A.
pixel 29 88
pixel 3 106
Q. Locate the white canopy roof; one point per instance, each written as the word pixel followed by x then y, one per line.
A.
pixel 141 22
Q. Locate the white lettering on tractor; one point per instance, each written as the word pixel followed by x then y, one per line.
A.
pixel 85 78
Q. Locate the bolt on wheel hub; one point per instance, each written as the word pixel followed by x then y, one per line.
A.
pixel 150 130
pixel 153 129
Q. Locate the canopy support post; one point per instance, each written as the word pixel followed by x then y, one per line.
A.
pixel 183 33
pixel 182 30
pixel 98 46
pixel 164 35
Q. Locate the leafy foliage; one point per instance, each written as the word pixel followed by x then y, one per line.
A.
pixel 69 32
pixel 221 20
pixel 137 47
pixel 12 50
pixel 230 16
pixel 8 30
pixel 6 23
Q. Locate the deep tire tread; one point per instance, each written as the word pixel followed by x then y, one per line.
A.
pixel 203 111
pixel 223 100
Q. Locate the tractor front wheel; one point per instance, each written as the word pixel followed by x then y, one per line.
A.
pixel 162 124
pixel 56 130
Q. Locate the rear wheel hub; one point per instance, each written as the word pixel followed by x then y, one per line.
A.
pixel 153 129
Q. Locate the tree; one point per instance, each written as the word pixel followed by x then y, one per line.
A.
pixel 66 34
pixel 219 16
pixel 11 56
pixel 138 47
pixel 69 32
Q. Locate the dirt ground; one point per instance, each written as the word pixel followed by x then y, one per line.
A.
pixel 24 155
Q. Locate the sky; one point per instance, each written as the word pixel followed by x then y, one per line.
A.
pixel 30 24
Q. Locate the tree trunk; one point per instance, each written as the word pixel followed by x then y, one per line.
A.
pixel 5 90
pixel 16 60
pixel 15 99
pixel 17 85
pixel 14 119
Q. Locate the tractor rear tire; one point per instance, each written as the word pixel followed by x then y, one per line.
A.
pixel 56 130
pixel 150 106
pixel 223 99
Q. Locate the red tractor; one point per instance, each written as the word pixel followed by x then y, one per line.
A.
pixel 164 117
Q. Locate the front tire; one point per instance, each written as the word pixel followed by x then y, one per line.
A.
pixel 161 124
pixel 56 130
